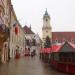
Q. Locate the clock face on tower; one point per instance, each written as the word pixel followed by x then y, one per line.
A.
pixel 46 20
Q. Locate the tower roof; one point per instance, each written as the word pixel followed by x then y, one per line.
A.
pixel 28 30
pixel 46 13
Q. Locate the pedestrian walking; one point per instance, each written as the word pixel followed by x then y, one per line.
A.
pixel 33 53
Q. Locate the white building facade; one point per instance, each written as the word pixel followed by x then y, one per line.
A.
pixel 32 40
pixel 17 37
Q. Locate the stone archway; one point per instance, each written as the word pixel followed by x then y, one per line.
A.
pixel 5 52
pixel 17 54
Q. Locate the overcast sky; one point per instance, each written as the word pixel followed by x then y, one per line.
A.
pixel 62 13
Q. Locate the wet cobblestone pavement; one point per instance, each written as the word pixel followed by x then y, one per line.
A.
pixel 27 66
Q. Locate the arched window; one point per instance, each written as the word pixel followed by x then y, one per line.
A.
pixel 33 42
pixel 1 15
pixel 27 42
pixel 1 21
pixel 1 11
pixel 46 19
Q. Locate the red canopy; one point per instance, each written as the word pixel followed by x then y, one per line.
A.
pixel 46 50
pixel 56 48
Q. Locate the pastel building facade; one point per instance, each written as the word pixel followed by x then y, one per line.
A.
pixel 32 40
pixel 17 37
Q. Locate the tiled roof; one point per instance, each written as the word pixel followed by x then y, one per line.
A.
pixel 61 36
pixel 71 44
pixel 28 30
pixel 65 47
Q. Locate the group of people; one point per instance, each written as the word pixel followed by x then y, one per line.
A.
pixel 30 53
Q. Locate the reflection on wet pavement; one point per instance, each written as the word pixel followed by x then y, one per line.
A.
pixel 27 66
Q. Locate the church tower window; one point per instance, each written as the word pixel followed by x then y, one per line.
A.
pixel 46 20
pixel 46 31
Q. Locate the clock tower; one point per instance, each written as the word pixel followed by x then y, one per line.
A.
pixel 46 29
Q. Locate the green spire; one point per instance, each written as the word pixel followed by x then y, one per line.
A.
pixel 46 13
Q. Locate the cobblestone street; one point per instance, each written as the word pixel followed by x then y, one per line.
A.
pixel 27 66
